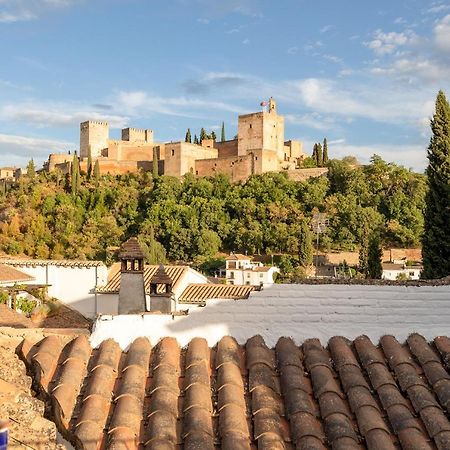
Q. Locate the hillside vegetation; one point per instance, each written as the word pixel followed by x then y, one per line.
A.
pixel 49 216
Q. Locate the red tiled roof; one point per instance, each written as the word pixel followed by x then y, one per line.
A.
pixel 11 275
pixel 199 293
pixel 175 273
pixel 348 395
pixel 238 257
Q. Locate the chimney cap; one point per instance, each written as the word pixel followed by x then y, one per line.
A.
pixel 161 276
pixel 131 249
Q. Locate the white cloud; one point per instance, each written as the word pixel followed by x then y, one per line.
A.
pixel 387 43
pixel 12 11
pixel 44 114
pixel 292 50
pixel 326 28
pixel 438 7
pixel 18 150
pixel 442 34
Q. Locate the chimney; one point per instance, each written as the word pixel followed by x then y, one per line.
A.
pixel 161 294
pixel 132 289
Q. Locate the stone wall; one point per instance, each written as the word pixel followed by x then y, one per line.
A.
pixel 58 161
pixel 137 135
pixel 94 135
pixel 237 168
pixel 227 148
pixel 304 174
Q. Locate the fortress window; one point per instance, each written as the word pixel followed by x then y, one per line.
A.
pixel 250 125
pixel 173 152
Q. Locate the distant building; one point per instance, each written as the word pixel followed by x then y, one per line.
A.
pixel 398 270
pixel 242 270
pixel 259 147
pixel 10 173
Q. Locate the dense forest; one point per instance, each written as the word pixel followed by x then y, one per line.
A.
pixel 49 215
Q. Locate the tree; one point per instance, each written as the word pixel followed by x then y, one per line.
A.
pixel 89 163
pixel 188 137
pixel 222 134
pixel 196 139
pixel 31 169
pixel 374 255
pixel 155 171
pixel 325 152
pixel 364 256
pixel 213 136
pixel 319 155
pixel 436 236
pixel 97 173
pixel 203 135
pixel 314 154
pixel 154 251
pixel 75 175
pixel 305 246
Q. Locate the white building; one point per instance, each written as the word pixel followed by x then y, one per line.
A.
pixel 241 270
pixel 74 283
pixel 396 270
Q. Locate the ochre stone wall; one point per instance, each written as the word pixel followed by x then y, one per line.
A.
pixel 137 135
pixel 237 168
pixel 227 148
pixel 94 135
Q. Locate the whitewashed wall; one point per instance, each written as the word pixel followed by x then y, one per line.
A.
pixel 74 286
pixel 298 311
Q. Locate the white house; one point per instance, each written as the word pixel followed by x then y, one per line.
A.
pixel 74 283
pixel 242 270
pixel 396 270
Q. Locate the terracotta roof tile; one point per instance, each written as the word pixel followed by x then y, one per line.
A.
pixel 131 249
pixel 343 396
pixel 200 293
pixel 10 275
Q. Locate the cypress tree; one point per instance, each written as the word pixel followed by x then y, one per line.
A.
pixel 89 163
pixel 203 135
pixel 314 153
pixel 155 162
pixel 305 247
pixel 75 175
pixel 196 139
pixel 436 236
pixel 188 137
pixel 222 134
pixel 213 136
pixel 319 153
pixel 374 255
pixel 363 256
pixel 325 152
pixel 31 169
pixel 97 173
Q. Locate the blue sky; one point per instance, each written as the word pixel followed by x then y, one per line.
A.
pixel 362 74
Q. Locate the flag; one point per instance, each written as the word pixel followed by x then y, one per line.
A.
pixel 263 104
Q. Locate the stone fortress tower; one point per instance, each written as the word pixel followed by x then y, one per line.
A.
pixel 259 147
pixel 95 135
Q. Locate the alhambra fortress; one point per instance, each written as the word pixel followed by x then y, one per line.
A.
pixel 260 147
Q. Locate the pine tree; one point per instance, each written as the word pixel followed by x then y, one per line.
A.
pixel 325 152
pixel 188 137
pixel 319 153
pixel 305 247
pixel 196 139
pixel 89 163
pixel 222 134
pixel 75 175
pixel 374 255
pixel 97 173
pixel 31 169
pixel 203 135
pixel 155 172
pixel 436 236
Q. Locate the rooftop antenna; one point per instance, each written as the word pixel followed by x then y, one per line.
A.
pixel 319 225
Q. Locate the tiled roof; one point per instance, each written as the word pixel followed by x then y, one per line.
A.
pixel 50 262
pixel 392 266
pixel 199 293
pixel 238 257
pixel 10 275
pixel 176 273
pixel 131 249
pixel 346 396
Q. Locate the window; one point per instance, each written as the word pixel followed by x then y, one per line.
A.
pixel 250 125
pixel 173 152
pixel 261 275
pixel 232 275
pixel 248 275
pixel 247 283
pixel 411 274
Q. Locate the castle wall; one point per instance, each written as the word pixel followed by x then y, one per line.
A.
pixel 304 174
pixel 137 135
pixel 294 149
pixel 55 160
pixel 227 148
pixel 237 168
pixel 94 135
pixel 180 157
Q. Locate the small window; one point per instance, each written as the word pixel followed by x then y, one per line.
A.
pixel 411 274
pixel 248 275
pixel 261 275
pixel 247 283
pixel 196 172
pixel 232 275
pixel 173 152
pixel 256 158
pixel 250 125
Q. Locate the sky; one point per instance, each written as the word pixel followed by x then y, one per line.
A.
pixel 362 74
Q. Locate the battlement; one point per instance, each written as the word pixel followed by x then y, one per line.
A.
pixel 93 122
pixel 137 135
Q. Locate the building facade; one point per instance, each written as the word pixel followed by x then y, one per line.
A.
pixel 259 147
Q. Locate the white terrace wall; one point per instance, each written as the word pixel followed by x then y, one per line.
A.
pixel 73 285
pixel 298 311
